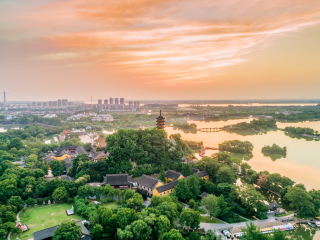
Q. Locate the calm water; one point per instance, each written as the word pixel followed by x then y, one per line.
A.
pixel 248 105
pixel 302 163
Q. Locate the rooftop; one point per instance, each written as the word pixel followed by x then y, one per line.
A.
pixel 148 181
pixel 117 179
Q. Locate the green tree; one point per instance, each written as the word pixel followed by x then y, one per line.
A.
pixel 172 235
pixel 136 231
pixel 68 230
pixel 161 226
pixel 186 170
pixel 210 187
pixel 168 209
pixel 162 176
pixel 30 201
pixel 98 232
pixel 223 206
pixel 38 173
pixel 60 194
pixel 135 202
pixel 182 189
pixel 57 167
pixel 17 202
pixel 244 167
pixel 302 200
pixel 193 186
pixel 190 218
pixel 249 195
pixel 225 175
pixel 87 147
pixel 15 143
pixel 194 236
pixel 31 158
pixel 211 204
pixel 252 232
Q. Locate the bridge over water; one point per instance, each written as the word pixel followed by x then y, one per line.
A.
pixel 214 129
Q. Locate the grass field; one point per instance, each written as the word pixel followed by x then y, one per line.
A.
pixel 285 214
pixel 206 219
pixel 111 205
pixel 42 217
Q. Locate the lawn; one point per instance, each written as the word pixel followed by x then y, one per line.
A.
pixel 42 217
pixel 111 205
pixel 207 219
pixel 285 214
pixel 241 220
pixel 202 211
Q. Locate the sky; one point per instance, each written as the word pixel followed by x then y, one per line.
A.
pixel 159 49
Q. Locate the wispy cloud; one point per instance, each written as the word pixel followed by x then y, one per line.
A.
pixel 171 41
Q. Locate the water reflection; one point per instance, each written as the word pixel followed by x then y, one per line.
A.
pixel 304 232
pixel 302 163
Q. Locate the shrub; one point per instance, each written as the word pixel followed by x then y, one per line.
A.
pixel 261 216
pixel 30 201
pixel 144 195
pixel 39 201
pixel 46 199
pixel 87 201
pixel 70 200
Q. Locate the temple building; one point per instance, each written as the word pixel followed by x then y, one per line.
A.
pixel 160 122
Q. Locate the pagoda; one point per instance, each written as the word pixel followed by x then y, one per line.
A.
pixel 160 122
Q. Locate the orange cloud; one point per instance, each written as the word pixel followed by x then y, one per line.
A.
pixel 170 41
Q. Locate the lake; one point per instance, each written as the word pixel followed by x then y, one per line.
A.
pixel 249 104
pixel 302 163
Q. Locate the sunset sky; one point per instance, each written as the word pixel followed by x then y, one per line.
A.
pixel 159 49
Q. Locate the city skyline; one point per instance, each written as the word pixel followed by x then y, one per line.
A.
pixel 156 50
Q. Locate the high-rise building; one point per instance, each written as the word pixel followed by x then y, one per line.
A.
pixel 100 101
pixel 64 102
pixel 105 101
pixel 59 102
pixel 116 101
pixel 111 100
pixel 121 100
pixel 130 104
pixel 138 104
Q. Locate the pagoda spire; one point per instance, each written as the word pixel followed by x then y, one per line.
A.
pixel 160 122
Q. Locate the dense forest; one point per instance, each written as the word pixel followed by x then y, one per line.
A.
pixel 254 127
pixel 274 152
pixel 148 146
pixel 236 146
pixel 301 130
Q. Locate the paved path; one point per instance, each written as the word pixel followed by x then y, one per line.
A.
pixel 18 220
pixel 217 226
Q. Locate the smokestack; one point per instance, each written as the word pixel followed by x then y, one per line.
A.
pixel 4 98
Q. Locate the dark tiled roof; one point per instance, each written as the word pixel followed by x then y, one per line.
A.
pixel 167 187
pixel 45 233
pixel 203 195
pixel 194 170
pixel 80 149
pixel 68 162
pixel 84 230
pixel 274 205
pixel 173 175
pixel 98 154
pixel 202 174
pixel 117 179
pixel 48 232
pixel 148 181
